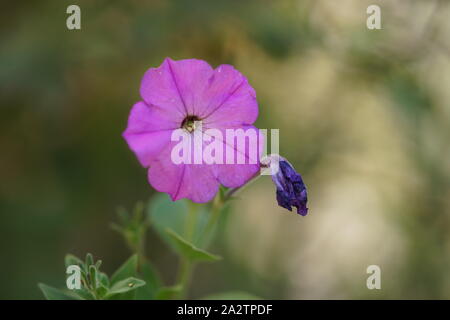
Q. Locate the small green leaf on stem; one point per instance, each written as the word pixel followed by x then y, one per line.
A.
pixel 188 250
pixel 93 277
pixel 153 282
pixel 128 269
pixel 70 259
pixel 89 260
pixel 124 285
pixel 51 293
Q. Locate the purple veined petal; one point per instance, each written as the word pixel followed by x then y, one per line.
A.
pixel 251 150
pixel 231 99
pixel 165 176
pixel 221 98
pixel 196 182
pixel 158 88
pixel 236 174
pixel 147 118
pixel 202 183
pixel 192 77
pixel 177 85
pixel 148 145
pixel 148 131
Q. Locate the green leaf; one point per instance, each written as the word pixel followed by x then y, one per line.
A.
pixel 51 293
pixel 164 213
pixel 102 284
pixel 103 279
pixel 126 270
pixel 83 294
pixel 124 286
pixel 93 276
pixel 89 260
pixel 167 293
pixel 153 283
pixel 231 295
pixel 188 250
pixel 102 291
pixel 70 259
pixel 150 275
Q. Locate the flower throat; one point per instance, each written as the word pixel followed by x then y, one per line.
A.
pixel 189 123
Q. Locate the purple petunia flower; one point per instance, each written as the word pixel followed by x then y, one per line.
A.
pixel 175 96
pixel 291 191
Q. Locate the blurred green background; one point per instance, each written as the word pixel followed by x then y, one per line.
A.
pixel 363 114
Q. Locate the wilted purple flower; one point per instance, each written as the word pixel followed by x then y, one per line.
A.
pixel 291 191
pixel 176 95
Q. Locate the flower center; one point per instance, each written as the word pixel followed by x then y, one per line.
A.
pixel 189 123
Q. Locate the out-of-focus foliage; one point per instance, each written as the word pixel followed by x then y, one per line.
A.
pixel 96 285
pixel 363 114
pixel 137 279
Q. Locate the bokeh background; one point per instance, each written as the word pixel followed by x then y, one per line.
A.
pixel 363 114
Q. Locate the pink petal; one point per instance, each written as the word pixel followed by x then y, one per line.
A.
pixel 148 131
pixel 222 98
pixel 177 85
pixel 235 175
pixel 231 100
pixel 195 182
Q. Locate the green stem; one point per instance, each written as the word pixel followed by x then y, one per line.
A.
pixel 216 208
pixel 184 276
pixel 191 222
pixel 186 266
pixel 140 251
